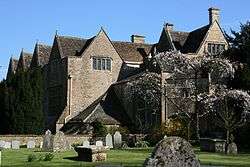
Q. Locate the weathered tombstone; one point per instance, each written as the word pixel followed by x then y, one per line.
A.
pixel 7 145
pixel 31 144
pixel 99 143
pixel 60 142
pixel 109 141
pixel 85 143
pixel 165 136
pixel 172 152
pixel 15 144
pixel 232 148
pixel 117 139
pixel 47 141
pixel 41 145
pixel 2 144
pixel 1 156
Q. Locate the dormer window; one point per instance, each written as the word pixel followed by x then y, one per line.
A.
pixel 101 63
pixel 215 49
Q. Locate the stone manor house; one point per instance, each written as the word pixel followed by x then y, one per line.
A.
pixel 83 78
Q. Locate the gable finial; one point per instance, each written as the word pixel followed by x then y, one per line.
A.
pixel 56 32
pixel 37 41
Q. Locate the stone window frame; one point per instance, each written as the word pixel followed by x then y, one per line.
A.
pixel 215 48
pixel 101 63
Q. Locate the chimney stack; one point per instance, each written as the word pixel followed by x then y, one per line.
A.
pixel 169 26
pixel 214 15
pixel 137 39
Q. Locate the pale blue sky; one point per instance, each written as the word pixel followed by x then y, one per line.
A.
pixel 22 22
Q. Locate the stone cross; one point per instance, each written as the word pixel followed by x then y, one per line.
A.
pixel 85 143
pixel 15 144
pixel 31 144
pixel 109 140
pixel 99 143
pixel 117 139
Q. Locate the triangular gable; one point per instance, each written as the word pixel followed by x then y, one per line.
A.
pixel 215 23
pixel 165 42
pixel 56 50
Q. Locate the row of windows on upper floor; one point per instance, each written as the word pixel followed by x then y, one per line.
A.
pixel 100 63
pixel 215 49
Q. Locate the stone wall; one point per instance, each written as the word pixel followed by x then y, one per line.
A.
pixel 38 138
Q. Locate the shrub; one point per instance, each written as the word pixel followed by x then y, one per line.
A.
pixel 48 157
pixel 100 130
pixel 142 144
pixel 32 157
pixel 122 130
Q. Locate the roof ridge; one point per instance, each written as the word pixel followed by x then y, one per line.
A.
pixel 131 43
pixel 72 37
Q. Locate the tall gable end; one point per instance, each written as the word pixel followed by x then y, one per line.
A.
pixel 24 61
pixel 214 35
pixel 165 42
pixel 55 50
pixel 12 67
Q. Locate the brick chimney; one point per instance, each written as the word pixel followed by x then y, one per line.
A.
pixel 137 39
pixel 169 26
pixel 214 15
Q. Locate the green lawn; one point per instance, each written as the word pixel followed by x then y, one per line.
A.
pixel 131 157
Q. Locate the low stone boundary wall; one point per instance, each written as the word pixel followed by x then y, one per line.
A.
pixel 39 138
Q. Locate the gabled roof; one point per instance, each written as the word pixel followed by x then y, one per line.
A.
pixel 195 39
pixel 41 55
pixel 186 42
pixel 132 52
pixel 72 46
pixel 96 112
pixel 24 61
pixel 12 66
pixel 179 38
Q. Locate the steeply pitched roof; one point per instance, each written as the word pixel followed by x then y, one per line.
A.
pixel 186 42
pixel 43 54
pixel 24 61
pixel 96 112
pixel 179 38
pixel 133 52
pixel 12 67
pixel 195 39
pixel 72 46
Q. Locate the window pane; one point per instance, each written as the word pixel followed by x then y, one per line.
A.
pixel 103 64
pixel 209 48
pixel 94 64
pixel 99 65
pixel 108 64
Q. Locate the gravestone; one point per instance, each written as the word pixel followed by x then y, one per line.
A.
pixel 2 144
pixel 47 141
pixel 99 143
pixel 85 143
pixel 232 148
pixel 172 152
pixel 60 142
pixel 109 141
pixel 1 156
pixel 41 145
pixel 15 144
pixel 31 144
pixel 7 145
pixel 117 139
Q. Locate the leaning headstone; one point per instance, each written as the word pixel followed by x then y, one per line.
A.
pixel 47 141
pixel 31 144
pixel 7 145
pixel 172 152
pixel 109 141
pixel 99 143
pixel 60 142
pixel 85 143
pixel 2 144
pixel 232 148
pixel 117 139
pixel 15 144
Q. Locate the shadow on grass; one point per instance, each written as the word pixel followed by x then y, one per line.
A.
pixel 73 158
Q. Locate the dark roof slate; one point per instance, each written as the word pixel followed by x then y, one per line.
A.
pixel 195 39
pixel 43 54
pixel 179 38
pixel 72 46
pixel 24 61
pixel 133 52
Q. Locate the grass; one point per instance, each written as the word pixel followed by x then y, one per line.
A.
pixel 129 157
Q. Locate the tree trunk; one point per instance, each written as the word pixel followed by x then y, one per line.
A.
pixel 227 141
